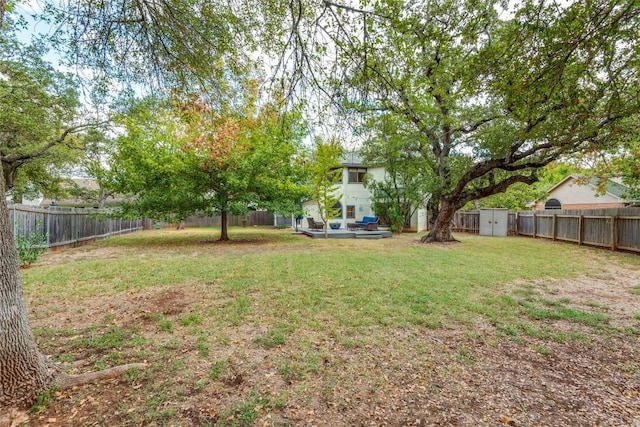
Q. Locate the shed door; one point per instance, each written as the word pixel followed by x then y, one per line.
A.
pixel 494 222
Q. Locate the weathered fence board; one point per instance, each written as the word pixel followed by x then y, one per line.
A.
pixel 249 220
pixel 567 228
pixel 469 221
pixel 67 227
pixel 610 228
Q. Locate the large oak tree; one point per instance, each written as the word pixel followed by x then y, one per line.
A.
pixel 38 108
pixel 489 95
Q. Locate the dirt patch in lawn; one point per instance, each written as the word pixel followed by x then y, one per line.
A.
pixel 559 373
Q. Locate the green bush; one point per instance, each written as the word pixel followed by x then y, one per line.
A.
pixel 30 247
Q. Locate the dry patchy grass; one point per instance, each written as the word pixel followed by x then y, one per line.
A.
pixel 274 329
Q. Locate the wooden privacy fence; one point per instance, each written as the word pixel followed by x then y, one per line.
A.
pixel 249 220
pixel 67 226
pixel 617 229
pixel 469 222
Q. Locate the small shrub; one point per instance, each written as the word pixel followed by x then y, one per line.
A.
pixel 173 344
pixel 629 367
pixel 156 407
pixel 30 247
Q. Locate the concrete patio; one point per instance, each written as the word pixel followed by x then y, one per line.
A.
pixel 346 234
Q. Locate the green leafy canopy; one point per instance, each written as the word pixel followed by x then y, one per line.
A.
pixel 183 158
pixel 38 107
pixel 488 97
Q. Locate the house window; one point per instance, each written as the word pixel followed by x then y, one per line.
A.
pixel 351 211
pixel 357 175
pixel 553 204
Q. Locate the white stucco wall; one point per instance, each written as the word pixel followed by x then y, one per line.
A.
pixel 419 220
pixel 355 194
pixel 352 194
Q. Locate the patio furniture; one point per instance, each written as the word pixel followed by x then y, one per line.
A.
pixel 368 223
pixel 370 226
pixel 315 225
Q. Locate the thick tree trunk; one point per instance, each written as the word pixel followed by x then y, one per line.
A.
pixel 224 236
pixel 24 372
pixel 441 230
pixel 433 208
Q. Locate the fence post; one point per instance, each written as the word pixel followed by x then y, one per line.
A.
pixel 553 226
pixel 48 225
pixel 614 234
pixel 75 225
pixel 534 225
pixel 580 228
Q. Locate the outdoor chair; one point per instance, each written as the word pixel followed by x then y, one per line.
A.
pixel 370 226
pixel 368 223
pixel 315 225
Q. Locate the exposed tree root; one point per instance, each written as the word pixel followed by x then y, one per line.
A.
pixel 428 238
pixel 65 381
pixel 16 415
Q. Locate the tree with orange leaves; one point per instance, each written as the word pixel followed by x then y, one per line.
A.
pixel 193 157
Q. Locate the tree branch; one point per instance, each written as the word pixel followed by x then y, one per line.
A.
pixel 22 157
pixel 500 187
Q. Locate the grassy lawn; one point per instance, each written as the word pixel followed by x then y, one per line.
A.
pixel 281 327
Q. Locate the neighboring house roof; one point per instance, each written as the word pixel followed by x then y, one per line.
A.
pixel 616 188
pixel 613 189
pixel 88 184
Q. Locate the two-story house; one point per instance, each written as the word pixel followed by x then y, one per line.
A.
pixel 355 201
